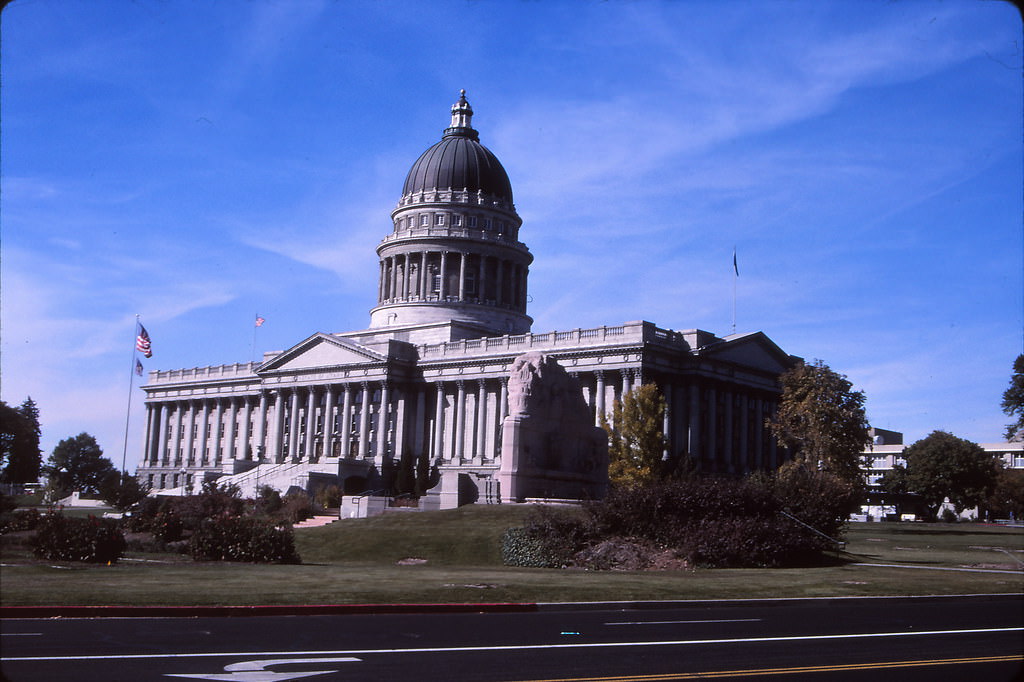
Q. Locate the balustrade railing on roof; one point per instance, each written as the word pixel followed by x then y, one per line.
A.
pixel 239 369
pixel 576 337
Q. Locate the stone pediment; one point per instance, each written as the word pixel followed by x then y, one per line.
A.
pixel 754 350
pixel 321 350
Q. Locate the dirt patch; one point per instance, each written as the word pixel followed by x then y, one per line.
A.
pixel 629 554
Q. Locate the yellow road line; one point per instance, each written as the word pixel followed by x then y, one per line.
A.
pixel 778 671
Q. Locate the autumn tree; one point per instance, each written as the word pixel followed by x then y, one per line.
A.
pixel 943 466
pixel 636 441
pixel 1007 498
pixel 20 455
pixel 78 464
pixel 821 419
pixel 1013 401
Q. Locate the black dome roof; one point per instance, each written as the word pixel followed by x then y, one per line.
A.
pixel 459 162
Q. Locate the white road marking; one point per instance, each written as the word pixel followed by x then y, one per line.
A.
pixel 688 622
pixel 256 671
pixel 520 647
pixel 21 634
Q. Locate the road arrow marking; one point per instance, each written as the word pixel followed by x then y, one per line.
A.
pixel 256 671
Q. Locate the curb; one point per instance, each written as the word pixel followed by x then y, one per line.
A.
pixel 248 611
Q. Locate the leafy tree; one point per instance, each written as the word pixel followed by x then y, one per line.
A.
pixel 943 466
pixel 19 442
pixel 78 464
pixel 822 420
pixel 1007 499
pixel 1013 400
pixel 635 438
pixel 122 491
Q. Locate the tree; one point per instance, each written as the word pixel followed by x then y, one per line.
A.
pixel 1007 498
pixel 19 442
pixel 1013 401
pixel 821 419
pixel 121 490
pixel 943 466
pixel 78 464
pixel 635 438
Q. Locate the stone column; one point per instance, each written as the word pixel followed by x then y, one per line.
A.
pixel 405 275
pixel 380 284
pixel 401 407
pixel 277 443
pixel 382 424
pixel 481 421
pixel 244 449
pixel 328 421
pixel 218 417
pixel 727 437
pixel 711 449
pixel 310 424
pixel 364 422
pixel 147 442
pixel 599 396
pixel 746 461
pixel 460 421
pixel 442 289
pixel 424 274
pixel 393 294
pixel 161 447
pixel 439 423
pixel 293 426
pixel 421 420
pixel 176 459
pixel 204 433
pixel 346 422
pixel 694 444
pixel 462 276
pixel 499 275
pixel 259 449
pixel 626 383
pixel 231 436
pixel 759 432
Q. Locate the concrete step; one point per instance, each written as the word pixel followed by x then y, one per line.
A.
pixel 315 521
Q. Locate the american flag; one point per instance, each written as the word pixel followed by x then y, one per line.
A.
pixel 142 343
pixel 138 367
pixel 259 321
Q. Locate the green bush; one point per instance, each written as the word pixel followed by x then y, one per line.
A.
pixel 65 538
pixel 520 548
pixel 329 497
pixel 296 507
pixel 25 519
pixel 233 538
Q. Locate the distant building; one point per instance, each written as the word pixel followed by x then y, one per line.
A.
pixel 887 451
pixel 430 376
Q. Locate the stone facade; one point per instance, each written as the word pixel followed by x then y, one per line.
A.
pixel 431 375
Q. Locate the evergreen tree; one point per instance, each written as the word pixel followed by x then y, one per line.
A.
pixel 78 464
pixel 19 442
pixel 636 441
pixel 1013 401
pixel 821 419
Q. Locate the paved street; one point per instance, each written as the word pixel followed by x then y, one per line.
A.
pixel 835 639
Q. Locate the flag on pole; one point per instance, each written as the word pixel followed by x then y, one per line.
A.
pixel 735 266
pixel 259 321
pixel 142 343
pixel 138 367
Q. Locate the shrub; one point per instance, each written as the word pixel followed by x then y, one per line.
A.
pixel 329 497
pixel 520 548
pixel 166 526
pixel 26 519
pixel 296 507
pixel 64 538
pixel 820 499
pixel 232 538
pixel 268 501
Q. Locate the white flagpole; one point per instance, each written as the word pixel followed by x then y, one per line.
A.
pixel 128 412
pixel 252 348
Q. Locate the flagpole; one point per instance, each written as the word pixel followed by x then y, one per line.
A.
pixel 252 348
pixel 735 277
pixel 128 412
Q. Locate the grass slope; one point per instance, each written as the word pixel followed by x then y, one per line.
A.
pixel 356 561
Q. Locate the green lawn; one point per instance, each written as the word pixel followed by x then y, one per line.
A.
pixel 356 561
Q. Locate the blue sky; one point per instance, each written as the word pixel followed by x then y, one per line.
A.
pixel 197 163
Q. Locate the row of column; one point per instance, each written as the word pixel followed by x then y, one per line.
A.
pixel 452 274
pixel 367 420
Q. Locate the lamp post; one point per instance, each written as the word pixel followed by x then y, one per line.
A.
pixel 184 472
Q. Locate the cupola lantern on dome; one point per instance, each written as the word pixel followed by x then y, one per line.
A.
pixel 454 254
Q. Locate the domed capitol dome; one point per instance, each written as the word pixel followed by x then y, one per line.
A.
pixel 459 162
pixel 454 254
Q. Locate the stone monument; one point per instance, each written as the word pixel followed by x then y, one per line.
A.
pixel 550 446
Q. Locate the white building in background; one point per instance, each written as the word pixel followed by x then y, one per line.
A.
pixel 887 451
pixel 430 376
